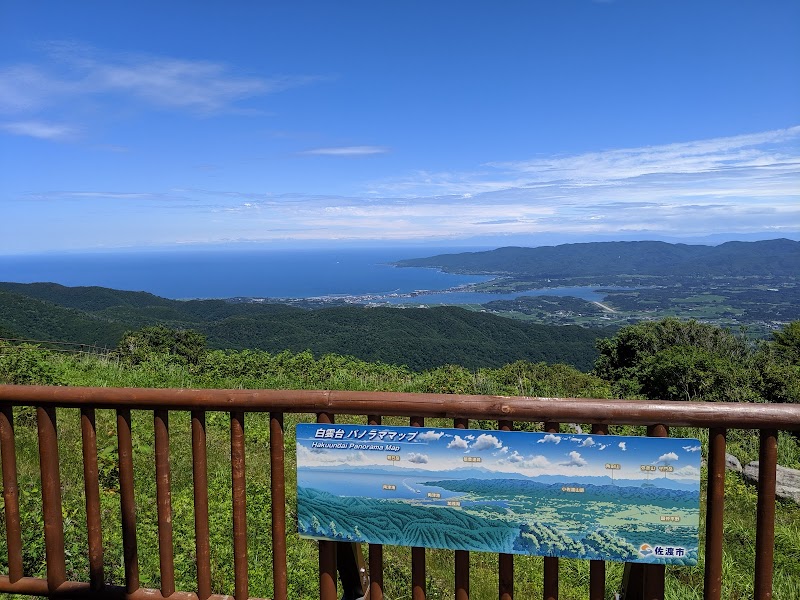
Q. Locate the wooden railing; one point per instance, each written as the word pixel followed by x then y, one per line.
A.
pixel 645 581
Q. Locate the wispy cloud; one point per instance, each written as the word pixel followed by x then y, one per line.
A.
pixel 740 184
pixel 74 71
pixel 40 130
pixel 687 157
pixel 346 151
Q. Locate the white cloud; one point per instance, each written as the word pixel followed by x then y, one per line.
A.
pixel 417 458
pixel 486 442
pixel 347 151
pixel 692 448
pixel 74 71
pixel 536 462
pixel 575 460
pixel 549 438
pixel 687 472
pixel 622 446
pixel 39 129
pixel 668 457
pixel 701 156
pixel 588 442
pixel 740 183
pixel 750 184
pixel 519 461
pixel 602 446
pixel 458 443
pixel 430 436
pixel 314 456
pixel 514 457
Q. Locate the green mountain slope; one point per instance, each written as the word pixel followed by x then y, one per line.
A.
pixel 33 319
pixel 418 338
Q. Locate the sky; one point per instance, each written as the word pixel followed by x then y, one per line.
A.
pixel 148 124
pixel 504 452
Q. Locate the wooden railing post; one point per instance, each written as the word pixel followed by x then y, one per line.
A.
pixel 715 507
pixel 51 497
pixel 11 494
pixel 126 499
pixel 202 542
pixel 765 513
pixel 278 489
pixel 91 483
pixel 164 502
pixel 239 493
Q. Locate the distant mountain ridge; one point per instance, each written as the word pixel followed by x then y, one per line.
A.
pixel 772 257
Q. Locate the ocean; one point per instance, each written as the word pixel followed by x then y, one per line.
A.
pixel 363 273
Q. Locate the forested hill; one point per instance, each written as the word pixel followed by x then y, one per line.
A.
pixel 418 338
pixel 766 258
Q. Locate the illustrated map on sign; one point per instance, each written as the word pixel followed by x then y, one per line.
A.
pixel 622 498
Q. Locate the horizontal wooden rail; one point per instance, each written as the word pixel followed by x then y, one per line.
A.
pixel 730 415
pixel 327 405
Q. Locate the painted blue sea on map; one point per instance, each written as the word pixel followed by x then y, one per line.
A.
pixel 622 498
pixel 361 274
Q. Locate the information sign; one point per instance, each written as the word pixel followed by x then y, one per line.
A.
pixel 622 498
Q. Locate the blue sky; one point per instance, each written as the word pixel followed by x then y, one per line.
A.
pixel 153 124
pixel 504 452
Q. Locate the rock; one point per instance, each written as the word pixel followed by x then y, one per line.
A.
pixel 787 481
pixel 732 463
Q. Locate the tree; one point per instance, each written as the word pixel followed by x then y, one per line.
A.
pixel 779 365
pixel 787 343
pixel 184 345
pixel 673 359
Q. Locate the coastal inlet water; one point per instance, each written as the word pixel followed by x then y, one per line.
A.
pixel 360 274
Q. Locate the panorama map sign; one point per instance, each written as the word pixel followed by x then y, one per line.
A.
pixel 622 498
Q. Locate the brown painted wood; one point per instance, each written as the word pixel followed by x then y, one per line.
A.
pixel 51 497
pixel 573 410
pixel 715 508
pixel 130 551
pixel 239 506
pixel 278 506
pixel 91 486
pixel 11 493
pixel 765 513
pixel 164 502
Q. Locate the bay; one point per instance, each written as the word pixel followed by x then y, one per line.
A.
pixel 240 273
pixel 360 275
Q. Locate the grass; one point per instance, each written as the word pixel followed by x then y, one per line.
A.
pixel 682 582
